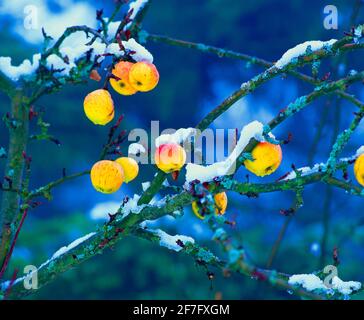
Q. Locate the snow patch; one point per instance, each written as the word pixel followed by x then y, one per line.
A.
pixel 112 28
pixel 73 54
pixel 300 50
pixel 135 148
pixel 56 255
pixel 72 245
pixel 312 282
pixel 132 206
pixel 208 173
pixel 145 185
pixel 179 137
pixel 24 69
pixel 345 287
pixel 360 151
pixel 169 241
pixel 305 171
pixel 308 281
pixel 139 53
pixel 136 6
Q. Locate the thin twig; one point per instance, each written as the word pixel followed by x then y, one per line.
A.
pixel 10 252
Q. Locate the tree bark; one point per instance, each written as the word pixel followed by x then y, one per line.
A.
pixel 18 137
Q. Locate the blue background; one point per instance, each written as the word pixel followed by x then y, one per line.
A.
pixel 191 84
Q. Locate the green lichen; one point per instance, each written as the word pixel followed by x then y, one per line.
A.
pixel 205 255
pixel 295 106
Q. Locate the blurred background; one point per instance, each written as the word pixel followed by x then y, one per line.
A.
pixel 191 84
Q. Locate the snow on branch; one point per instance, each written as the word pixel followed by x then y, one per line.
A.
pixel 62 55
pixel 135 148
pixel 136 6
pixel 253 130
pixel 62 60
pixel 60 252
pixel 72 245
pixel 302 49
pixel 175 243
pixel 312 282
pixel 67 57
pixel 132 47
pixel 15 72
pixel 181 136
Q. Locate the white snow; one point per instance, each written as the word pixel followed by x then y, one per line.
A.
pixel 145 185
pixel 113 27
pixel 305 171
pixel 27 68
pixel 169 241
pixel 358 32
pixel 321 167
pixel 56 255
pixel 114 48
pixel 136 6
pixel 179 137
pixel 101 210
pixel 24 69
pixel 136 148
pixel 31 17
pixel 132 206
pixel 345 287
pixel 55 62
pixel 300 50
pixel 207 173
pixel 312 282
pixel 140 53
pixel 72 245
pixel 73 53
pixel 360 151
pixel 308 281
